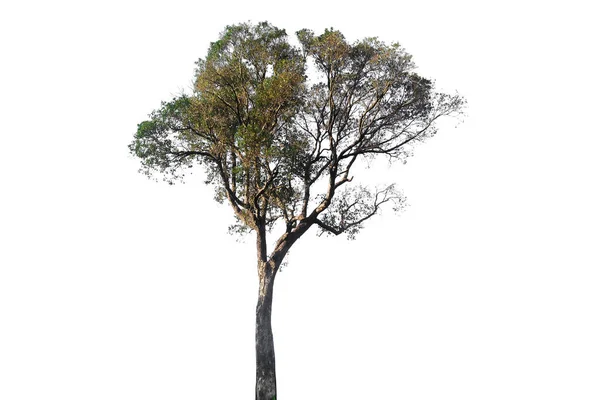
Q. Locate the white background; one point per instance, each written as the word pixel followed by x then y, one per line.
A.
pixel 116 287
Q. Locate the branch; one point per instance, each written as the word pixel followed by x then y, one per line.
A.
pixel 328 228
pixel 353 207
pixel 239 207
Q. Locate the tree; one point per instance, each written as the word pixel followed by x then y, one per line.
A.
pixel 279 128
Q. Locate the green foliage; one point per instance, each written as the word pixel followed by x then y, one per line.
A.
pixel 279 148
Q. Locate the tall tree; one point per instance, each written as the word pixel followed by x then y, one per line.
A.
pixel 279 129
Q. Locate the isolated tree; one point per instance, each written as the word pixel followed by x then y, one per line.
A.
pixel 279 129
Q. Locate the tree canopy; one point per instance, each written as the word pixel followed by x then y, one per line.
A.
pixel 278 127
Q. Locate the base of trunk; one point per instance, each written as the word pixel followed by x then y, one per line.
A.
pixel 266 388
pixel 266 385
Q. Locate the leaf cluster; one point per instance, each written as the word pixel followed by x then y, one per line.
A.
pixel 278 146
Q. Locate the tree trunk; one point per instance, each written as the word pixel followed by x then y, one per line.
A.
pixel 266 386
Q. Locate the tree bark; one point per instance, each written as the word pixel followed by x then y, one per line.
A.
pixel 266 386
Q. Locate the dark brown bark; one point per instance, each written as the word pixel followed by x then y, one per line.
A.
pixel 266 385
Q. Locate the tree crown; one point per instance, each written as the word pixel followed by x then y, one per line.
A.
pixel 278 142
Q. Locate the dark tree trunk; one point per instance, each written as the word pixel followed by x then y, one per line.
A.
pixel 266 386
